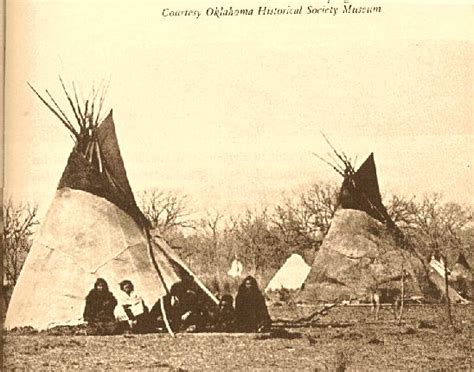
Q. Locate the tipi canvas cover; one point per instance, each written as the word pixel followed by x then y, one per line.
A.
pixel 459 277
pixel 93 229
pixel 236 269
pixel 461 269
pixel 360 253
pixel 462 277
pixel 291 275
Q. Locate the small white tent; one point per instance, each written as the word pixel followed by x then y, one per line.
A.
pixel 236 269
pixel 291 275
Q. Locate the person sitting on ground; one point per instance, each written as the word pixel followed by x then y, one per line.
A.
pixel 173 308
pixel 184 309
pixel 225 318
pixel 99 309
pixel 131 310
pixel 195 316
pixel 251 313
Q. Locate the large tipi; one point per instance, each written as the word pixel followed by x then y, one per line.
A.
pixel 93 229
pixel 360 252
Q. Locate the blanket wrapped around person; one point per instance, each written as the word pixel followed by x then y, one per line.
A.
pixel 251 313
pixel 131 312
pixel 225 318
pixel 99 310
pixel 185 310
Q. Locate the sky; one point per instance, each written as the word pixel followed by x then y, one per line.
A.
pixel 230 111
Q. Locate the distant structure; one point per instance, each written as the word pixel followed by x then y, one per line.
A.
pixel 236 268
pixel 291 275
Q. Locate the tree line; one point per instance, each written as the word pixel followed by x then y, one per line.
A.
pixel 262 238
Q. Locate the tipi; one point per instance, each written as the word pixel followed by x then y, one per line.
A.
pixel 360 252
pixel 93 229
pixel 291 275
pixel 461 269
pixel 236 268
pixel 462 276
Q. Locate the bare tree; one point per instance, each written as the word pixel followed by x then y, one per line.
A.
pixel 210 248
pixel 19 221
pixel 259 247
pixel 320 202
pixel 300 221
pixel 403 211
pixel 212 223
pixel 166 211
pixel 403 262
pixel 432 228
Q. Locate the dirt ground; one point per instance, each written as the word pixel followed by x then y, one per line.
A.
pixel 345 338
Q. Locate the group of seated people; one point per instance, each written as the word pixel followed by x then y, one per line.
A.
pixel 184 308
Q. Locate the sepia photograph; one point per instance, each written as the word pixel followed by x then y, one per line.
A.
pixel 237 185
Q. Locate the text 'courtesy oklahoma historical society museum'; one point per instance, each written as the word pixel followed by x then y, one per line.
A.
pixel 314 9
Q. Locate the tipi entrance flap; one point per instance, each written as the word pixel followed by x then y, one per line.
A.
pixel 162 247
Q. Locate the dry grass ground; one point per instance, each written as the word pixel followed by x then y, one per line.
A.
pixel 343 338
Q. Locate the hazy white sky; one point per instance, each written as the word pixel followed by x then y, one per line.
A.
pixel 230 110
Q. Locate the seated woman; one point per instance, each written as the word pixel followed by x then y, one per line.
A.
pixel 251 313
pixel 195 316
pixel 184 310
pixel 99 310
pixel 225 317
pixel 171 303
pixel 131 310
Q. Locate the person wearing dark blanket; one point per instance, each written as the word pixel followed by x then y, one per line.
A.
pixel 225 318
pixel 195 317
pixel 251 313
pixel 172 303
pixel 99 310
pixel 185 310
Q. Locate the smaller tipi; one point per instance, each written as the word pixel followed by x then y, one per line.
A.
pixel 291 275
pixel 461 269
pixel 236 268
pixel 462 277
